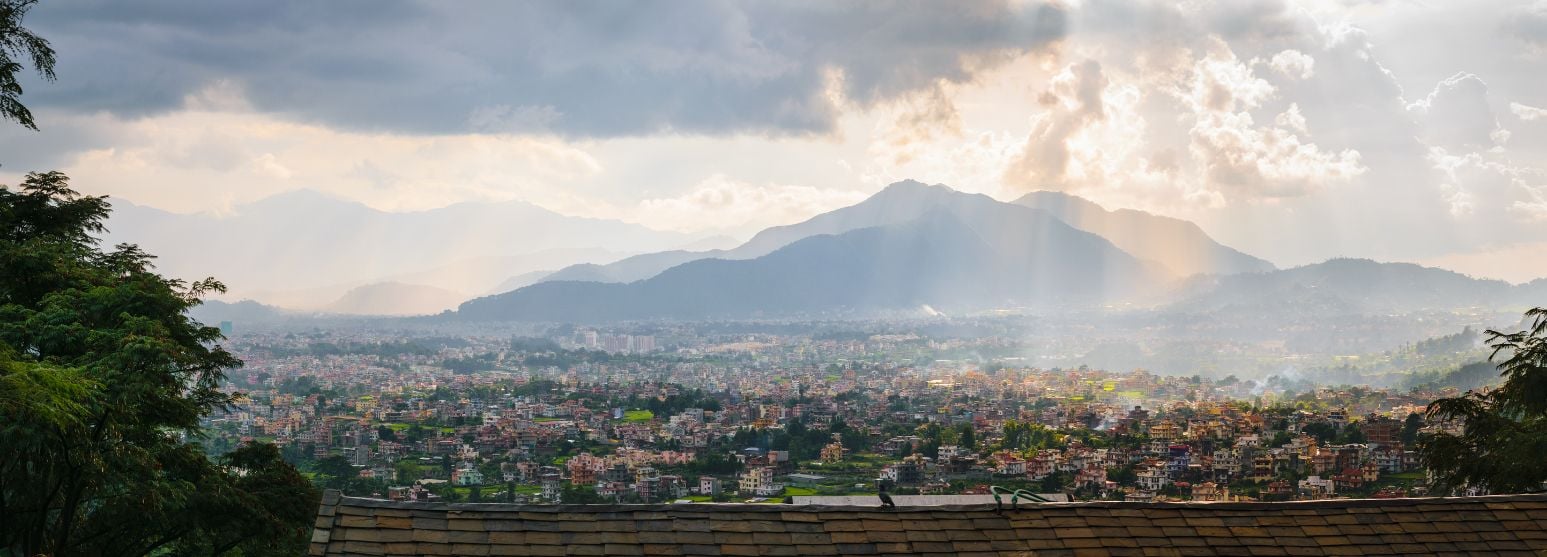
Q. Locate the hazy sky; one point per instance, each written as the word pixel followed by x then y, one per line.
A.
pixel 1294 131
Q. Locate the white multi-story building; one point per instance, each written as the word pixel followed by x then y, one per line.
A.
pixel 759 481
pixel 1153 479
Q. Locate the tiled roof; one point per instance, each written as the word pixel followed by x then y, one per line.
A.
pixel 1494 525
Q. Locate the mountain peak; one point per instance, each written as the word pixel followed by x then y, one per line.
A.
pixel 910 185
pixel 301 200
pixel 1048 199
pixel 909 188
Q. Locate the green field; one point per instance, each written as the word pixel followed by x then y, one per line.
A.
pixel 399 427
pixel 638 416
pixel 490 489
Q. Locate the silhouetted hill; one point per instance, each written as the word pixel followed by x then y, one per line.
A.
pixel 1178 244
pixel 1010 256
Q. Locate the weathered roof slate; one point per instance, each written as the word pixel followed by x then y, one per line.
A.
pixel 1494 525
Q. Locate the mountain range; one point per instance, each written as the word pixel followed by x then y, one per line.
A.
pixel 910 248
pixel 914 246
pixel 1009 257
pixel 1353 286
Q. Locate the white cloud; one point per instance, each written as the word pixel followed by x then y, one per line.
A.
pixel 1294 63
pixel 268 165
pixel 1488 189
pixel 1291 119
pixel 1071 103
pixel 721 203
pixel 915 123
pixel 1457 114
pixel 1241 159
pixel 194 161
pixel 1527 112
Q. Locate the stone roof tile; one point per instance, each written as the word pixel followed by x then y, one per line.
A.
pixel 1477 525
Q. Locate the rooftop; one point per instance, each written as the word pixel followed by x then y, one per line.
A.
pixel 1495 525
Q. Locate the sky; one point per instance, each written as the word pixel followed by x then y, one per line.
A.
pixel 1294 131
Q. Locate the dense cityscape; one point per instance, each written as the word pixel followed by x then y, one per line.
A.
pixel 594 416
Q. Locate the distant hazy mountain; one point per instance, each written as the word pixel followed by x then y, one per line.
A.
pixel 1008 256
pixel 638 267
pixel 711 243
pixel 1354 286
pixel 1178 244
pixel 487 274
pixel 482 275
pixel 396 298
pixel 518 281
pixel 303 239
pixel 213 312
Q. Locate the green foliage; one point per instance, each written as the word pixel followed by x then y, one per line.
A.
pixel 673 404
pixel 17 44
pixel 1468 376
pixel 581 495
pixel 968 438
pixel 103 382
pixel 714 463
pixel 533 344
pixel 1410 427
pixel 1503 431
pixel 1322 431
pixel 1019 435
pixel 1352 434
pixel 471 364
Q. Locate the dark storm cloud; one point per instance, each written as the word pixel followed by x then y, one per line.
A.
pixel 574 68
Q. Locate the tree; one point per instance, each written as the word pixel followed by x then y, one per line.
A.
pixel 103 382
pixel 18 44
pixel 1352 434
pixel 1503 431
pixel 337 471
pixel 581 495
pixel 968 438
pixel 1410 427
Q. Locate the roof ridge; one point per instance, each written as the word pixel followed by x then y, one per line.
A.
pixel 367 502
